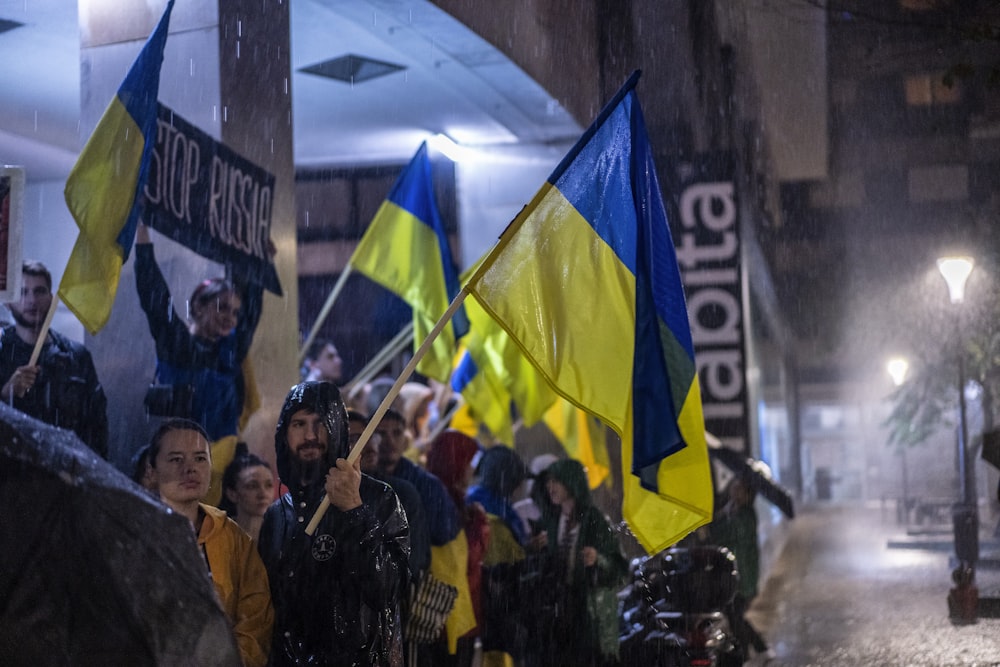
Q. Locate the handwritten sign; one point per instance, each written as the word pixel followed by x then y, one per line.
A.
pixel 210 199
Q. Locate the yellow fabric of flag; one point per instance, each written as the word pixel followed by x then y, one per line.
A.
pixel 103 190
pixel 585 280
pixel 449 563
pixel 583 438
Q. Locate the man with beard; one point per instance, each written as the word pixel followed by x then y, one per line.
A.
pixel 335 593
pixel 62 387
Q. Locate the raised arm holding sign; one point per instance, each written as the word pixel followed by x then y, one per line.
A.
pixel 200 352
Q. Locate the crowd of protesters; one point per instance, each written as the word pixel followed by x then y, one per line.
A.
pixel 435 549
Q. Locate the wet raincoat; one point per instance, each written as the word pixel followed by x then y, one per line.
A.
pixel 335 594
pixel 67 392
pixel 241 583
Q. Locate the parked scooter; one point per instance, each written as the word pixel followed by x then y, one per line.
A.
pixel 674 610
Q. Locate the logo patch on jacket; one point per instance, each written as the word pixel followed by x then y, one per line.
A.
pixel 323 547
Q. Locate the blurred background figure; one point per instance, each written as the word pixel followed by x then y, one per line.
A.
pixel 500 474
pixel 734 527
pixel 142 473
pixel 589 568
pixel 450 459
pixel 409 498
pixel 529 508
pixel 416 402
pixel 247 492
pixel 323 362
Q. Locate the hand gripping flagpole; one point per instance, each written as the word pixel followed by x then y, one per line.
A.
pixel 390 397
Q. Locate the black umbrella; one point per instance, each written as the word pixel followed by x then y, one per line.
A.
pixel 755 477
pixel 94 571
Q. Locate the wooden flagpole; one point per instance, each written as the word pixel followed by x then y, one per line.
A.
pixel 44 332
pixel 390 397
pixel 391 349
pixel 324 312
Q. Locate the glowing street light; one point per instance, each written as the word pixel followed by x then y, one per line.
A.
pixel 898 367
pixel 956 271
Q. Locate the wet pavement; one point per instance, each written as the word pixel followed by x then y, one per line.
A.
pixel 839 595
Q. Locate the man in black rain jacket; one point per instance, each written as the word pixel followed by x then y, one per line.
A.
pixel 335 594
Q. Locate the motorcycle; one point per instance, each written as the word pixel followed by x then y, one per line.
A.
pixel 675 610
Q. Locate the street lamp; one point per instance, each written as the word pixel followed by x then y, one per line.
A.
pixel 897 367
pixel 965 516
pixel 956 272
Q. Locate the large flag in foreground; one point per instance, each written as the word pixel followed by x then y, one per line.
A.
pixel 406 251
pixel 103 190
pixel 585 280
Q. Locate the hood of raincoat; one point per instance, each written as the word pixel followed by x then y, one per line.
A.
pixel 501 470
pixel 574 477
pixel 322 398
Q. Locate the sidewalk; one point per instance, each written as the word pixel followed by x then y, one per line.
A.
pixel 839 595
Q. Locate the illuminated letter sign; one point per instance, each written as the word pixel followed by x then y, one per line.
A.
pixel 706 235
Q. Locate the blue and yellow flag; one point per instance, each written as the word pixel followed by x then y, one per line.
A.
pixel 585 280
pixel 485 396
pixel 103 190
pixel 492 374
pixel 582 437
pixel 497 355
pixel 405 250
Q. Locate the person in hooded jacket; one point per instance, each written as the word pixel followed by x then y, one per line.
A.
pixel 589 567
pixel 336 594
pixel 501 472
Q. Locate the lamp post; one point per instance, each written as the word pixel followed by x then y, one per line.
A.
pixel 897 367
pixel 956 271
pixel 965 516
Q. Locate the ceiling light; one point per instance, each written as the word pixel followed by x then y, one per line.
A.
pixel 443 144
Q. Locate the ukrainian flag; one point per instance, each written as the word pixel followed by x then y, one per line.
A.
pixel 585 280
pixel 492 373
pixel 103 190
pixel 406 251
pixel 582 437
pixel 485 396
pixel 497 355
